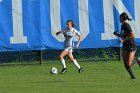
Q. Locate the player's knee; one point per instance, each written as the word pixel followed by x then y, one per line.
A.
pixel 71 60
pixel 74 60
pixel 129 65
pixel 61 57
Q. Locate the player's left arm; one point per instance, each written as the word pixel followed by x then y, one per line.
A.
pixel 79 39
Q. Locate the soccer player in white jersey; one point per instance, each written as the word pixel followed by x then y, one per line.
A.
pixel 69 33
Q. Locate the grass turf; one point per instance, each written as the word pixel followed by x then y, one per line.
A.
pixel 98 77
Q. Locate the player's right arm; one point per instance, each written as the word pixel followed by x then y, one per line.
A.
pixel 116 34
pixel 59 32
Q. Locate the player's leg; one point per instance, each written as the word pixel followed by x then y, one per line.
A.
pixel 70 55
pixel 61 56
pixel 138 61
pixel 127 63
pixel 131 56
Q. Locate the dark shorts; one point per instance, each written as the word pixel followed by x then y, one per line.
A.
pixel 129 47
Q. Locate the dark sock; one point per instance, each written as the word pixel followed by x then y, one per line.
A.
pixel 130 71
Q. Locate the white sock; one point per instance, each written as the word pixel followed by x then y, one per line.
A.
pixel 76 64
pixel 63 63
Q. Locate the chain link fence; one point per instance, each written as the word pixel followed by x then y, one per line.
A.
pixel 45 56
pixel 85 55
pixel 20 57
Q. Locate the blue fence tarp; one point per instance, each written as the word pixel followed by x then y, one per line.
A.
pixel 32 24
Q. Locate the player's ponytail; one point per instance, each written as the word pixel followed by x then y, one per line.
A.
pixel 125 16
pixel 128 18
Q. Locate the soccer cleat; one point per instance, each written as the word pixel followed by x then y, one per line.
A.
pixel 138 61
pixel 133 77
pixel 63 71
pixel 80 70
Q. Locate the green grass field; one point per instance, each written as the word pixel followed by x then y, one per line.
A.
pixel 98 77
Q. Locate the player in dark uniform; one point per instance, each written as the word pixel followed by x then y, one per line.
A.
pixel 129 45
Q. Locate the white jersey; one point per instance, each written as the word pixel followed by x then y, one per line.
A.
pixel 69 37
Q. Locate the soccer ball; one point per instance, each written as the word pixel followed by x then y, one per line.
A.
pixel 53 70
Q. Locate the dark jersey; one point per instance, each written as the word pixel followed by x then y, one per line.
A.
pixel 125 32
pixel 128 45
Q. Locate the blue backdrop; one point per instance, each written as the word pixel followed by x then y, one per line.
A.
pixel 41 19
